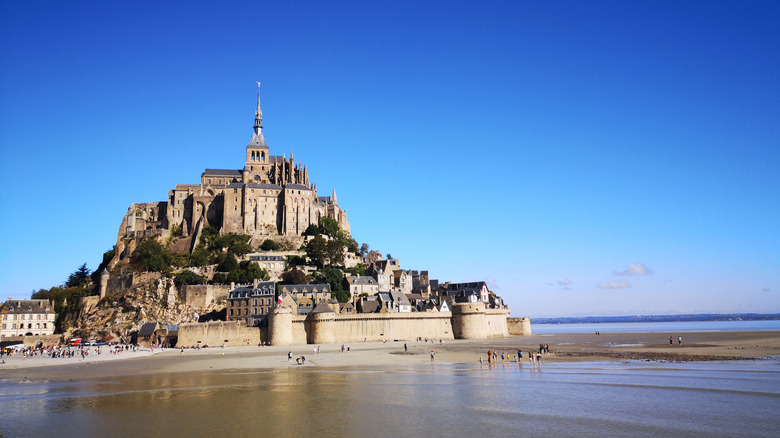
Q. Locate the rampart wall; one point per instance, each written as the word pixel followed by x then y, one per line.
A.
pixel 215 333
pixel 32 341
pixel 519 326
pixel 470 321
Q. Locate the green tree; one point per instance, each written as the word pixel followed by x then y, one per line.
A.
pixel 178 259
pixel 352 246
pixel 228 263
pixel 295 260
pixel 335 278
pixel 235 243
pixel 188 277
pixel 364 248
pixel 220 278
pixel 269 245
pixel 335 252
pixel 330 227
pixel 359 269
pixel 316 250
pixel 150 256
pixel 254 271
pixel 78 278
pixel 176 230
pixel 312 230
pixel 200 256
pixel 294 276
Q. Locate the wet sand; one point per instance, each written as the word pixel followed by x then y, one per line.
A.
pixel 696 346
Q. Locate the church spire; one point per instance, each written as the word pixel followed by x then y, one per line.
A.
pixel 333 198
pixel 258 114
pixel 258 140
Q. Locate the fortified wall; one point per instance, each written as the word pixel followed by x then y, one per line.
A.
pixel 466 321
pixel 231 333
pixel 519 326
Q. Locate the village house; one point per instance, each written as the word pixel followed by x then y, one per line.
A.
pixel 274 264
pixel 359 285
pixel 316 292
pixel 251 303
pixel 27 318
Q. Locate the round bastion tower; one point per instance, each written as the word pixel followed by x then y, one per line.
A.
pixel 468 320
pixel 280 326
pixel 321 325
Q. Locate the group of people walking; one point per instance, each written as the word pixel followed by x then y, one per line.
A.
pixel 493 356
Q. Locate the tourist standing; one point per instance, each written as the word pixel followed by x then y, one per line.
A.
pixel 432 355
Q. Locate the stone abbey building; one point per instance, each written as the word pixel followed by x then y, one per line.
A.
pixel 270 196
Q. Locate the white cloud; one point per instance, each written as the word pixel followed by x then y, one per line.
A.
pixel 492 284
pixel 633 269
pixel 766 289
pixel 622 284
pixel 566 282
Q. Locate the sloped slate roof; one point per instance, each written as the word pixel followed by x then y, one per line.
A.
pixel 322 307
pixel 147 329
pixel 222 172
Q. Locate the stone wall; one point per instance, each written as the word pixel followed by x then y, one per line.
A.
pixel 32 341
pixel 519 326
pixel 496 323
pixel 468 321
pixel 216 333
pixel 204 295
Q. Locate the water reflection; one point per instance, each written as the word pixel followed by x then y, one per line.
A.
pixel 453 400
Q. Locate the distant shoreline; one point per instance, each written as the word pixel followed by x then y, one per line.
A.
pixel 700 317
pixel 698 346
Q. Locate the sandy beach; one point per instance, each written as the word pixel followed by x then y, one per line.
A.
pixel 697 346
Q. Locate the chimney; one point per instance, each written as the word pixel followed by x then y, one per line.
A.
pixel 256 282
pixel 232 285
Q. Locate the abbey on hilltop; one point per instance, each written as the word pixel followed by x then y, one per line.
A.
pixel 270 196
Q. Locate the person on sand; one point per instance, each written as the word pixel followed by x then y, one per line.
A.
pixel 432 355
pixel 289 356
pixel 480 361
pixel 671 340
pixel 298 360
pixel 405 348
pixel 539 359
pixel 679 340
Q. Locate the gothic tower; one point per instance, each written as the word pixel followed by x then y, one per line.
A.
pixel 257 158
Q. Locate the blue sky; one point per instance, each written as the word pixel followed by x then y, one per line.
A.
pixel 585 158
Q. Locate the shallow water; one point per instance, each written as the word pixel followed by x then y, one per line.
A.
pixel 580 399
